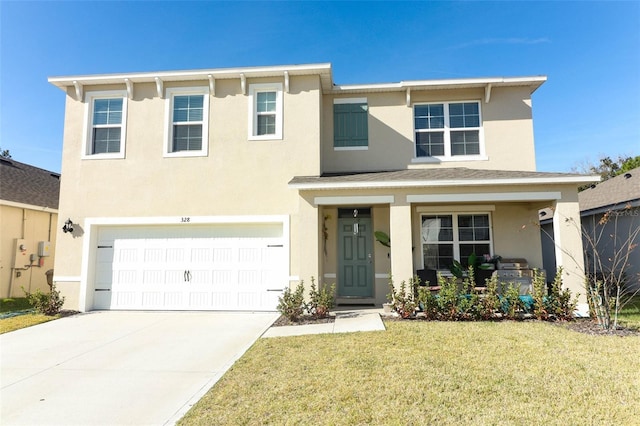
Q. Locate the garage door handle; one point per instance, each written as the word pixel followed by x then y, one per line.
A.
pixel 187 276
pixel 103 289
pixel 275 289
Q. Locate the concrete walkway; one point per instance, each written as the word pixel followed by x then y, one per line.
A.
pixel 347 321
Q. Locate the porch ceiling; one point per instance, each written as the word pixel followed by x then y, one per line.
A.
pixel 441 177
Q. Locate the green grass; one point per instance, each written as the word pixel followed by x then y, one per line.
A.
pixel 14 304
pixel 23 321
pixel 441 373
pixel 630 313
pixel 20 321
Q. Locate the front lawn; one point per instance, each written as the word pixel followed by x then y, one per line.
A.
pixel 19 304
pixel 421 372
pixel 630 313
pixel 14 304
pixel 22 321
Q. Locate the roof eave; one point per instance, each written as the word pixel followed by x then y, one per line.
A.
pixel 322 69
pixel 577 180
pixel 534 82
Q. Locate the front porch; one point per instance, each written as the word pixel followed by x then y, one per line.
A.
pixel 431 223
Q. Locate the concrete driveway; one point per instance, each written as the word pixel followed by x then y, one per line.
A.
pixel 119 368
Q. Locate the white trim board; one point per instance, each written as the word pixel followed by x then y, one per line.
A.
pixel 456 208
pixel 355 199
pixel 28 206
pixel 486 196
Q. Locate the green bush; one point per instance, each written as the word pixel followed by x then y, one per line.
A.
pixel 291 303
pixel 490 302
pixel 403 300
pixel 559 303
pixel 511 303
pixel 46 303
pixel 321 301
pixel 462 303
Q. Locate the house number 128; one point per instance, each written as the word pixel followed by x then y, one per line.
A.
pixel 185 219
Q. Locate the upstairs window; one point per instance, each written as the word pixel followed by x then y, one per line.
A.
pixel 188 111
pixel 448 130
pixel 265 111
pixel 105 124
pixel 446 237
pixel 350 124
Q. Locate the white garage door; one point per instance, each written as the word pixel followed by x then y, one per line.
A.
pixel 241 267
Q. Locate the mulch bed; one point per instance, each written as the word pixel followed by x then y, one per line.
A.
pixel 589 326
pixel 580 325
pixel 305 319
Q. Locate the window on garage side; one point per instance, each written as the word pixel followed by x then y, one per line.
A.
pixel 105 124
pixel 188 114
pixel 449 237
pixel 350 124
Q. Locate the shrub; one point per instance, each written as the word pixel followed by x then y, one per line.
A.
pixel 321 301
pixel 45 303
pixel 291 303
pixel 539 295
pixel 490 302
pixel 511 302
pixel 448 299
pixel 403 300
pixel 428 302
pixel 559 303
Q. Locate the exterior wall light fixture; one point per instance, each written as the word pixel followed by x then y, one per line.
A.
pixel 68 226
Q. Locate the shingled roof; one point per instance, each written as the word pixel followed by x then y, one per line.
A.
pixel 25 184
pixel 434 177
pixel 618 191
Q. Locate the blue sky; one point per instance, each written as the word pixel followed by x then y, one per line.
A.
pixel 590 51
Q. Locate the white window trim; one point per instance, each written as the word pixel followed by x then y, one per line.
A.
pixel 350 101
pixel 253 113
pixel 168 134
pixel 342 101
pixel 456 241
pixel 447 157
pixel 87 131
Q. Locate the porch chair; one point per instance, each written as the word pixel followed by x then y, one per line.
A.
pixel 429 279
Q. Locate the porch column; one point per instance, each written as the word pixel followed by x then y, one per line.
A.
pixel 401 242
pixel 567 234
pixel 305 243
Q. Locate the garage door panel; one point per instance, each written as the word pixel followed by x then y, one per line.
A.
pixel 157 268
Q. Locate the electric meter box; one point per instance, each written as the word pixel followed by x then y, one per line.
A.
pixel 44 248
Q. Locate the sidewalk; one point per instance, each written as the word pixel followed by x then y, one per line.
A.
pixel 347 321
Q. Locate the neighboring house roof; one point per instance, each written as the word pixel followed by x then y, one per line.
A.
pixel 25 184
pixel 435 177
pixel 323 70
pixel 615 192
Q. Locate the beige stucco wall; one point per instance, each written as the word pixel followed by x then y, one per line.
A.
pixel 32 226
pixel 237 177
pixel 507 126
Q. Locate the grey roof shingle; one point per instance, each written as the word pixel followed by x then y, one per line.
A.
pixel 442 175
pixel 622 189
pixel 22 183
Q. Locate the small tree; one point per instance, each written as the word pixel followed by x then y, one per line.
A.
pixel 608 254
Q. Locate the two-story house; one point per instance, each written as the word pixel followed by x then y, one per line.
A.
pixel 215 189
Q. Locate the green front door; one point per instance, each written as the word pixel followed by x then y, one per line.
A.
pixel 355 257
